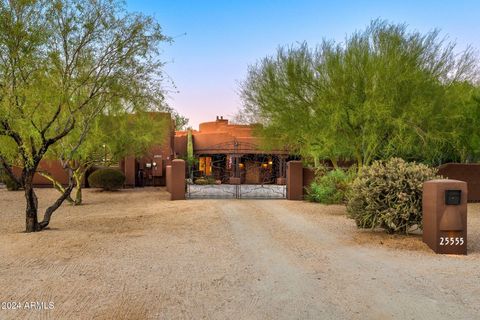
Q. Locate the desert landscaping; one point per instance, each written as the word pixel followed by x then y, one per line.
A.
pixel 133 254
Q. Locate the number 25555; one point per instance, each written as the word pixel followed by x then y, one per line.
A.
pixel 451 241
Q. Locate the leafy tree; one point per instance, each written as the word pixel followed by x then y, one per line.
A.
pixel 384 92
pixel 110 138
pixel 181 122
pixel 62 64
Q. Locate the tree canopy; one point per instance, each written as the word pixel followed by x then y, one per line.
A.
pixel 385 91
pixel 64 63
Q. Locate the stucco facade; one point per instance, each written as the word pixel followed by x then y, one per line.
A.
pixel 228 152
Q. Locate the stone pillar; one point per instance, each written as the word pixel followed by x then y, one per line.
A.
pixel 295 180
pixel 177 185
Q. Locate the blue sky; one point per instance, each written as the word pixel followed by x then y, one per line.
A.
pixel 224 37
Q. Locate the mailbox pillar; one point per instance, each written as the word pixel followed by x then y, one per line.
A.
pixel 445 216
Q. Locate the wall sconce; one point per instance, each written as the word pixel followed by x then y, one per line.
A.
pixel 270 162
pixel 264 165
pixel 240 165
pixel 154 164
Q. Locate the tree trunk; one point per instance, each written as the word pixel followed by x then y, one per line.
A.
pixel 78 177
pixel 316 161
pixel 31 221
pixel 50 210
pixel 334 163
pixel 57 185
pixel 78 196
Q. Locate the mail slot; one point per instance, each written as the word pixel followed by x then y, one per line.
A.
pixel 445 216
pixel 453 197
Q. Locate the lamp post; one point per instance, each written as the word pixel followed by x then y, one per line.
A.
pixel 104 154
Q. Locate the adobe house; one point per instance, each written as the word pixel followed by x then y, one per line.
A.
pixel 150 169
pixel 228 153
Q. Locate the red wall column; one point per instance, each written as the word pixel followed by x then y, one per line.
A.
pixel 169 178
pixel 129 172
pixel 177 185
pixel 295 180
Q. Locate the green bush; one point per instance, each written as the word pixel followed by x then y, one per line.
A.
pixel 205 180
pixel 388 194
pixel 211 180
pixel 330 187
pixel 201 181
pixel 9 183
pixel 107 179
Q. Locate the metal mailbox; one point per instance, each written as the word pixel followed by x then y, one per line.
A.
pixel 445 216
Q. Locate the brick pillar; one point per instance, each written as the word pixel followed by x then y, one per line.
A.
pixel 129 171
pixel 294 180
pixel 177 185
pixel 168 174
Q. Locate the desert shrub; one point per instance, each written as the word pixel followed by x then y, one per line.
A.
pixel 107 179
pixel 388 194
pixel 201 181
pixel 330 187
pixel 9 183
pixel 205 180
pixel 211 180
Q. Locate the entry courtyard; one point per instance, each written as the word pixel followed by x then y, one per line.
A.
pixel 133 254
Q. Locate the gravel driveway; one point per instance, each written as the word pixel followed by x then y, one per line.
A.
pixel 135 255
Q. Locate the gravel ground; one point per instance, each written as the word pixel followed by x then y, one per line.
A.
pixel 133 254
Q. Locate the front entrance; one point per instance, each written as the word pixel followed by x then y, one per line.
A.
pixel 252 172
pixel 237 176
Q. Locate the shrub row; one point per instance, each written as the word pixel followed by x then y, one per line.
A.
pixel 107 178
pixel 330 187
pixel 386 194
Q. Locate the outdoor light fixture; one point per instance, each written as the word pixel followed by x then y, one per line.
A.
pixel 154 164
pixel 240 165
pixel 264 165
pixel 270 162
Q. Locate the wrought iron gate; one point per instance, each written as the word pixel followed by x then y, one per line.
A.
pixel 239 191
pixel 235 170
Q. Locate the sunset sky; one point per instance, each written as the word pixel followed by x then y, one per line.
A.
pixel 216 41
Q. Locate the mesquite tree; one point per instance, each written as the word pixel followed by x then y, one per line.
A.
pixel 61 63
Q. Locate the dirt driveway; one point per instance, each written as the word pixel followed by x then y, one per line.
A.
pixel 135 255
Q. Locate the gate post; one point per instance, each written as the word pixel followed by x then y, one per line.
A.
pixel 168 178
pixel 177 184
pixel 295 180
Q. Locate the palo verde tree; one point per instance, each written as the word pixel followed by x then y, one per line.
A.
pixel 110 138
pixel 61 63
pixel 384 92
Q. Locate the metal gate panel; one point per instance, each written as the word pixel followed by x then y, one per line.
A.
pixel 262 191
pixel 212 191
pixel 230 191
